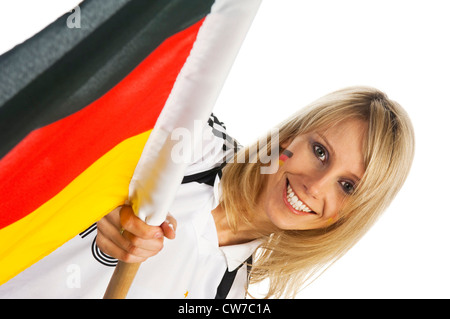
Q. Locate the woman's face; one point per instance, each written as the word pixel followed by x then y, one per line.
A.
pixel 310 187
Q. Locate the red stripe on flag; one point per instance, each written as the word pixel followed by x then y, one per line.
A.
pixel 49 158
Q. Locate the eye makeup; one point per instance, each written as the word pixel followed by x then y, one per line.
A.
pixel 320 152
pixel 348 187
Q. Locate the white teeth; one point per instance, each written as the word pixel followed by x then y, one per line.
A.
pixel 294 201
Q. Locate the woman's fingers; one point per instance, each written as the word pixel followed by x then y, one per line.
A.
pixel 134 225
pixel 122 235
pixel 112 249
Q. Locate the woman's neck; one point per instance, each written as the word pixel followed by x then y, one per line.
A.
pixel 245 233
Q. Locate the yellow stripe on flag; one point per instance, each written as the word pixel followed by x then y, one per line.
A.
pixel 99 189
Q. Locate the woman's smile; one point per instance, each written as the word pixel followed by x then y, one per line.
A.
pixel 295 203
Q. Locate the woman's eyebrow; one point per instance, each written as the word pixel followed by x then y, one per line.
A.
pixel 355 178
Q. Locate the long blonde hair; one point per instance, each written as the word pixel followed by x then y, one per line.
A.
pixel 289 258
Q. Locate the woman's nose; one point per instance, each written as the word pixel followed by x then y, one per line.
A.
pixel 316 185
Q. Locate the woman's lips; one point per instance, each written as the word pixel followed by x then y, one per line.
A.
pixel 294 203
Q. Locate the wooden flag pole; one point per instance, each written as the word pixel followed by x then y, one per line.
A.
pixel 121 280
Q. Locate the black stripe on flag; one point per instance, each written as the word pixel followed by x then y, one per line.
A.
pixel 92 67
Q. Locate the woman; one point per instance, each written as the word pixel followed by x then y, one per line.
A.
pixel 344 158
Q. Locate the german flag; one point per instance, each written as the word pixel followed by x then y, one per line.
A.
pixel 78 107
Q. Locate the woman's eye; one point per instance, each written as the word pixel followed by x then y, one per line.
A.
pixel 320 152
pixel 348 187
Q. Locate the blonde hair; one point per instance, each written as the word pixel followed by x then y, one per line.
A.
pixel 290 258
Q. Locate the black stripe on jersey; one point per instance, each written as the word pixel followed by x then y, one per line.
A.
pixel 228 278
pixel 206 177
pixel 219 130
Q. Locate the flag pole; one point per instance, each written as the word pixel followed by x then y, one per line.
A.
pixel 121 280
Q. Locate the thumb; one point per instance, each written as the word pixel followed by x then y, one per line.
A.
pixel 169 227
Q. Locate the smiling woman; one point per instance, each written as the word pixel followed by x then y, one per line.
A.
pixel 344 158
pixel 351 152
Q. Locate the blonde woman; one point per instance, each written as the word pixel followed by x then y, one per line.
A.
pixel 343 159
pixel 352 150
pixel 349 153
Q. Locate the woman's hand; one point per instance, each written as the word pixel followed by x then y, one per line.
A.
pixel 123 235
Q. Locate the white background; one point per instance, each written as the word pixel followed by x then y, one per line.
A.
pixel 297 51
